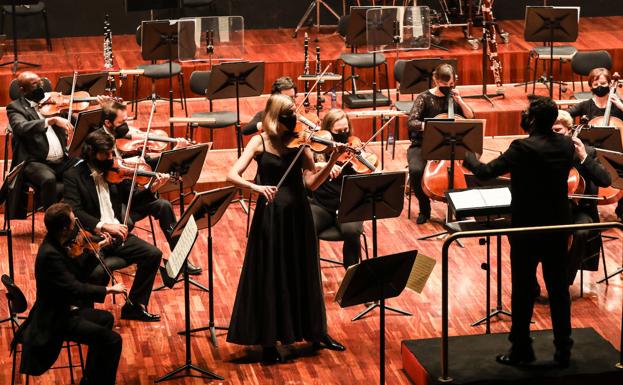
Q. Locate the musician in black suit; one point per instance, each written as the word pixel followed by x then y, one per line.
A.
pixel 283 85
pixel 539 167
pixel 584 251
pixel 40 142
pixel 54 318
pixel 98 206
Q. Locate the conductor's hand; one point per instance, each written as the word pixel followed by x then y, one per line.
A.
pixel 61 122
pixel 159 180
pixel 116 230
pixel 118 288
pixel 268 192
pixel 580 150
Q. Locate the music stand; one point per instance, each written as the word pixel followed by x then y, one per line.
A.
pixel 450 140
pixel 207 208
pixel 236 80
pixel 551 24
pixel 374 280
pixel 372 197
pixel 86 122
pixel 217 38
pixel 15 63
pixel 188 365
pixel 607 138
pixel 94 83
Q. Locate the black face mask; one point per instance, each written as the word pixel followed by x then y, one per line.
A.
pixel 121 131
pixel 446 90
pixel 526 122
pixel 600 90
pixel 340 137
pixel 36 95
pixel 103 165
pixel 288 120
pixel 72 236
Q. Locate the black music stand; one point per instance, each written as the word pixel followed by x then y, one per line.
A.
pixel 450 140
pixel 15 63
pixel 551 24
pixel 417 75
pixel 375 280
pixel 86 122
pixel 5 197
pixel 236 80
pixel 94 83
pixel 372 197
pixel 188 365
pixel 210 207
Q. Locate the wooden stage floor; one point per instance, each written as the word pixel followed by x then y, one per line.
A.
pixel 150 350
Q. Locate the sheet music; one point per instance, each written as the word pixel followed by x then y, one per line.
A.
pixel 183 248
pixel 467 199
pixel 421 271
pixel 496 196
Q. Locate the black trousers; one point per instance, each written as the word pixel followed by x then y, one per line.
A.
pixel 44 177
pixel 526 253
pixel 325 218
pixel 160 209
pixel 417 164
pixel 147 259
pixel 93 327
pixel 584 251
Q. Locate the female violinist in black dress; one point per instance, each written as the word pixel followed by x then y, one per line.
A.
pixel 279 297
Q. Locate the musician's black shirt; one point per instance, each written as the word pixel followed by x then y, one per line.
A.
pixel 328 194
pixel 590 109
pixel 427 105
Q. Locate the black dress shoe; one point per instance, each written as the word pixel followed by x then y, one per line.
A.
pixel 516 357
pixel 422 218
pixel 329 343
pixel 271 355
pixel 137 313
pixel 192 269
pixel 562 357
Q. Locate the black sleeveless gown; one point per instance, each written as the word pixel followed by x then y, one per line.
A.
pixel 279 297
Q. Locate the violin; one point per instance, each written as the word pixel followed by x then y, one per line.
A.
pixel 607 120
pixel 362 162
pixel 156 143
pixel 123 169
pixel 57 102
pixel 306 133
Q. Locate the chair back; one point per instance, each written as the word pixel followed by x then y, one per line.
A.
pixel 399 69
pixel 15 92
pixel 584 62
pixel 15 296
pixel 199 81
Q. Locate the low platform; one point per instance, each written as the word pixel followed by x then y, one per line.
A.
pixel 472 361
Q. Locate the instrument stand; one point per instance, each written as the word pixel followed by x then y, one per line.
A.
pixel 372 197
pixel 485 70
pixel 16 62
pixel 188 366
pixel 314 4
pixel 377 280
pixel 5 197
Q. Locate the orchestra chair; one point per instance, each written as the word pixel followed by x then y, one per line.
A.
pixel 584 62
pixel 333 234
pixel 156 72
pixel 356 61
pixel 24 11
pixel 199 81
pixel 15 93
pixel 17 304
pixel 598 250
pixel 562 54
pixel 399 105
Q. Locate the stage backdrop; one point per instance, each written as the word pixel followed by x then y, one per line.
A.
pixel 80 18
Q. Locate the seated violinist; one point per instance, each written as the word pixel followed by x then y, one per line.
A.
pixel 326 198
pixel 114 116
pixel 40 142
pixel 283 85
pixel 584 252
pixel 98 205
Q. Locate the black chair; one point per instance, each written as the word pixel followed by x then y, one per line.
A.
pixel 199 81
pixel 562 53
pixel 23 11
pixel 17 304
pixel 399 105
pixel 155 72
pixel 597 243
pixel 584 62
pixel 358 61
pixel 333 234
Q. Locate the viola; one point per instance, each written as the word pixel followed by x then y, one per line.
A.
pixel 306 133
pixel 362 161
pixel 123 169
pixel 158 140
pixel 87 242
pixel 57 102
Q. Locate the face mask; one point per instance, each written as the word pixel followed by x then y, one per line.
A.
pixel 340 137
pixel 446 90
pixel 121 131
pixel 288 120
pixel 526 122
pixel 103 165
pixel 36 95
pixel 600 90
pixel 71 237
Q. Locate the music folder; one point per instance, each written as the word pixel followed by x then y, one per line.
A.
pixel 479 201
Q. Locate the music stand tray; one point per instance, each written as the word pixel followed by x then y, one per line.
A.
pixel 94 83
pixel 417 75
pixel 451 140
pixel 86 122
pixel 186 162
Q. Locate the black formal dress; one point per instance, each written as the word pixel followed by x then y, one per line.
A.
pixel 427 105
pixel 279 297
pixel 539 166
pixel 30 145
pixel 52 319
pixel 81 194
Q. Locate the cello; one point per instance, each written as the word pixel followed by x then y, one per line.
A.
pixel 607 120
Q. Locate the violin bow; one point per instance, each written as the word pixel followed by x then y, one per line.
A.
pixel 363 145
pixel 71 103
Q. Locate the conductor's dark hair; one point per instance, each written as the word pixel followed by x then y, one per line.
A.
pixel 281 84
pixel 57 219
pixel 97 141
pixel 543 113
pixel 110 111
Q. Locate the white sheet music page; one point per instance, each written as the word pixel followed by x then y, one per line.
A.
pixel 496 196
pixel 467 199
pixel 183 248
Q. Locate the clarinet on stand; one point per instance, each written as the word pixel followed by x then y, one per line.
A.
pixel 111 86
pixel 319 98
pixel 306 68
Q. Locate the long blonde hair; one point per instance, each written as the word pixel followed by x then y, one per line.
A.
pixel 277 104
